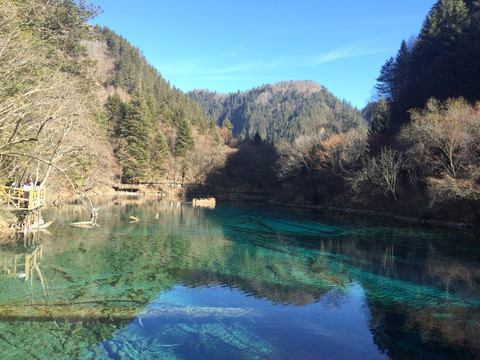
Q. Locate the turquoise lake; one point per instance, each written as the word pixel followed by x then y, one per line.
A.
pixel 240 281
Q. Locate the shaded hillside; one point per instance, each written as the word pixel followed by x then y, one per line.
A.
pixel 442 62
pixel 132 73
pixel 284 110
pixel 155 129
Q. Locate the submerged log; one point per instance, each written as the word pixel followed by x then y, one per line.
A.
pixel 85 224
pixel 47 224
pixel 36 226
pixel 69 312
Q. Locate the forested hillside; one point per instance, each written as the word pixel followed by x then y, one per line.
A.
pixel 153 127
pixel 421 156
pixel 283 110
pixel 135 75
pixel 441 62
pixel 81 107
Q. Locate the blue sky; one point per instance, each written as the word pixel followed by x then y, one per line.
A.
pixel 226 46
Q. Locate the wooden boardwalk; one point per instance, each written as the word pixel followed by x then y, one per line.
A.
pixel 23 199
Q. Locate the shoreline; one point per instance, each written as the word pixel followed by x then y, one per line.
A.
pixel 410 219
pixel 264 198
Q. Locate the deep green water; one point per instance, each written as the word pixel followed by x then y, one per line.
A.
pixel 239 282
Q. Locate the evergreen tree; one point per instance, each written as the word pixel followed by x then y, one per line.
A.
pixel 184 141
pixel 401 71
pixel 386 80
pixel 228 125
pixel 441 41
pixel 160 152
pixel 115 110
pixel 257 139
pixel 134 128
pixel 442 63
pixel 378 114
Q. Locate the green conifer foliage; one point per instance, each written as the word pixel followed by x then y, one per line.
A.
pixel 443 62
pixel 441 41
pixel 160 152
pixel 184 141
pixel 283 110
pixel 135 129
pixel 115 110
pixel 134 75
pixel 380 117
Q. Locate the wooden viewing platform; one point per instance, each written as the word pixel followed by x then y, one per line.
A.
pixel 24 199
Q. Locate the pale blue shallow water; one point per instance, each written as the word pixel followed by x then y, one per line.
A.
pixel 238 282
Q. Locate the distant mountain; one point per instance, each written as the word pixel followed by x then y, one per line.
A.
pixel 283 110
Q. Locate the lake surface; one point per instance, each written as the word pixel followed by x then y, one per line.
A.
pixel 238 282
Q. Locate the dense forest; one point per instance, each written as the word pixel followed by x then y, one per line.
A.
pixel 420 157
pixel 152 127
pixel 441 62
pixel 80 107
pixel 427 115
pixel 283 110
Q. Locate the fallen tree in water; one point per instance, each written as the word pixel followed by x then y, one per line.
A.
pixel 98 313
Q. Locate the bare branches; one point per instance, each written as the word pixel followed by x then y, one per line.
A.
pixel 445 139
pixel 379 174
pixel 46 100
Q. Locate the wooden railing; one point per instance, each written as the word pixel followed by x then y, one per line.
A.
pixel 28 199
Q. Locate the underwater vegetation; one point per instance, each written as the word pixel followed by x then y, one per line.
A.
pixel 250 282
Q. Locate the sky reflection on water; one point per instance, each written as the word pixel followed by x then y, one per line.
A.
pixel 240 282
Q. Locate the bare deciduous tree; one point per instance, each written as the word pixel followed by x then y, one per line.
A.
pixel 379 174
pixel 301 157
pixel 445 138
pixel 47 104
pixel 340 152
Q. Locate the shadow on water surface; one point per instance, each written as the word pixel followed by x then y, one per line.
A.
pixel 250 282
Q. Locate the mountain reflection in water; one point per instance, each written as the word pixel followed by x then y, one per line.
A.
pixel 239 282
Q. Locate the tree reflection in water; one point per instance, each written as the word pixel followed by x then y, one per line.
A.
pixel 247 281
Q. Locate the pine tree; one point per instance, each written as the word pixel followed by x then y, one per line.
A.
pixel 228 125
pixel 401 71
pixel 160 152
pixel 115 110
pixel 441 71
pixel 134 128
pixel 385 82
pixel 380 117
pixel 184 141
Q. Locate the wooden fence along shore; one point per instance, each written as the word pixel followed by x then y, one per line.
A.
pixel 26 199
pixel 29 201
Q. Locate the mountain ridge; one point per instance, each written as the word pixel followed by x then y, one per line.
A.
pixel 283 110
